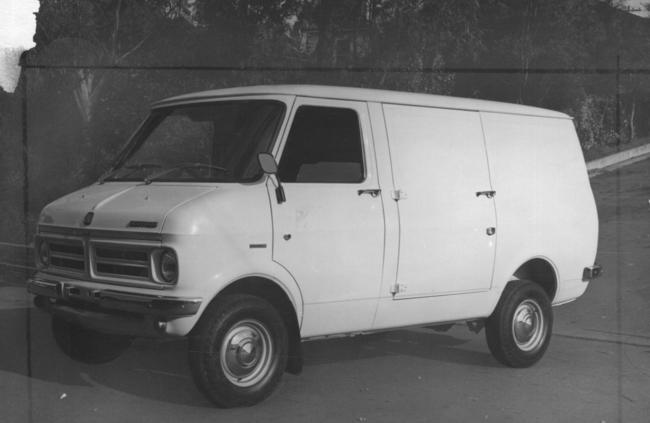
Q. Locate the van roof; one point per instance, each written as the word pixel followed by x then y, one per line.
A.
pixel 364 94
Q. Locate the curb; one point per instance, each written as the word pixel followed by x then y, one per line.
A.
pixel 621 158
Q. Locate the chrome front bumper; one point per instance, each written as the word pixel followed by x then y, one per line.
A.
pixel 110 310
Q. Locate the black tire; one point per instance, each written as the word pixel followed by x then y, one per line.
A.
pixel 519 330
pixel 88 346
pixel 238 350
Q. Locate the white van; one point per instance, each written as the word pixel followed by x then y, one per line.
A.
pixel 251 219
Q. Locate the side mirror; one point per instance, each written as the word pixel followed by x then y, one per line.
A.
pixel 267 163
pixel 270 167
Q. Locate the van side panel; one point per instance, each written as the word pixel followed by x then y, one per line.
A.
pixel 545 206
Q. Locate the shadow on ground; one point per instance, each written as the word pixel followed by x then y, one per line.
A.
pixel 158 369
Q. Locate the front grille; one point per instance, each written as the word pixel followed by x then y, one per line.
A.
pixel 67 255
pixel 120 261
pixel 102 256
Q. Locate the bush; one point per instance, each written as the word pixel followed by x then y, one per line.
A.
pixel 595 121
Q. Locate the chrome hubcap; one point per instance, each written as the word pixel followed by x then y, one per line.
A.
pixel 528 326
pixel 246 353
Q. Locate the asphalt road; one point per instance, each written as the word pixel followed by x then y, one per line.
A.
pixel 597 368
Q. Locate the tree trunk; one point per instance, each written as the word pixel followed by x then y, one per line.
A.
pixel 632 127
pixel 86 93
pixel 324 48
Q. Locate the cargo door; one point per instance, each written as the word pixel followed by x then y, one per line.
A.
pixel 445 201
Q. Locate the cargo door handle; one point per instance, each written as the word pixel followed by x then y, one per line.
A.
pixel 491 231
pixel 488 194
pixel 373 192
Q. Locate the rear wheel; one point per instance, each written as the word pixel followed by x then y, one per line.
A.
pixel 238 351
pixel 519 330
pixel 85 345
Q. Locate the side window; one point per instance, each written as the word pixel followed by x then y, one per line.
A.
pixel 324 145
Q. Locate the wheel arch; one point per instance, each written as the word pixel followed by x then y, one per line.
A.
pixel 281 299
pixel 541 271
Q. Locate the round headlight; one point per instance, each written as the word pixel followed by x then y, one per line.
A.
pixel 44 253
pixel 168 266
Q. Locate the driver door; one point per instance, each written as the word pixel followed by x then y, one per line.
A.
pixel 329 234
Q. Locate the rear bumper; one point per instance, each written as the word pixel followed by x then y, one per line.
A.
pixel 591 272
pixel 110 310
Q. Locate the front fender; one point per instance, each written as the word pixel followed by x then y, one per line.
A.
pixel 237 271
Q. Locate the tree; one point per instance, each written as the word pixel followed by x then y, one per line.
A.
pixel 103 33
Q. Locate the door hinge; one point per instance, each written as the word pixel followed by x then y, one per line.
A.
pixel 397 288
pixel 398 194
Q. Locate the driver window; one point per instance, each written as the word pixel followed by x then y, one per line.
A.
pixel 324 145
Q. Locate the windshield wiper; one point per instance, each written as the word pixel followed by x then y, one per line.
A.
pixel 110 172
pixel 134 167
pixel 182 166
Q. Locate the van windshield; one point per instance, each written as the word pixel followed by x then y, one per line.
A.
pixel 208 142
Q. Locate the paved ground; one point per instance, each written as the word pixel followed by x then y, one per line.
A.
pixel 596 369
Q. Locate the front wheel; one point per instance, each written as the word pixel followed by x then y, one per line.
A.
pixel 86 345
pixel 238 351
pixel 519 330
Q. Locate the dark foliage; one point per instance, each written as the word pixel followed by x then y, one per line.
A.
pixel 78 118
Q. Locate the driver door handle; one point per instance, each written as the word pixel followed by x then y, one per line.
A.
pixel 372 192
